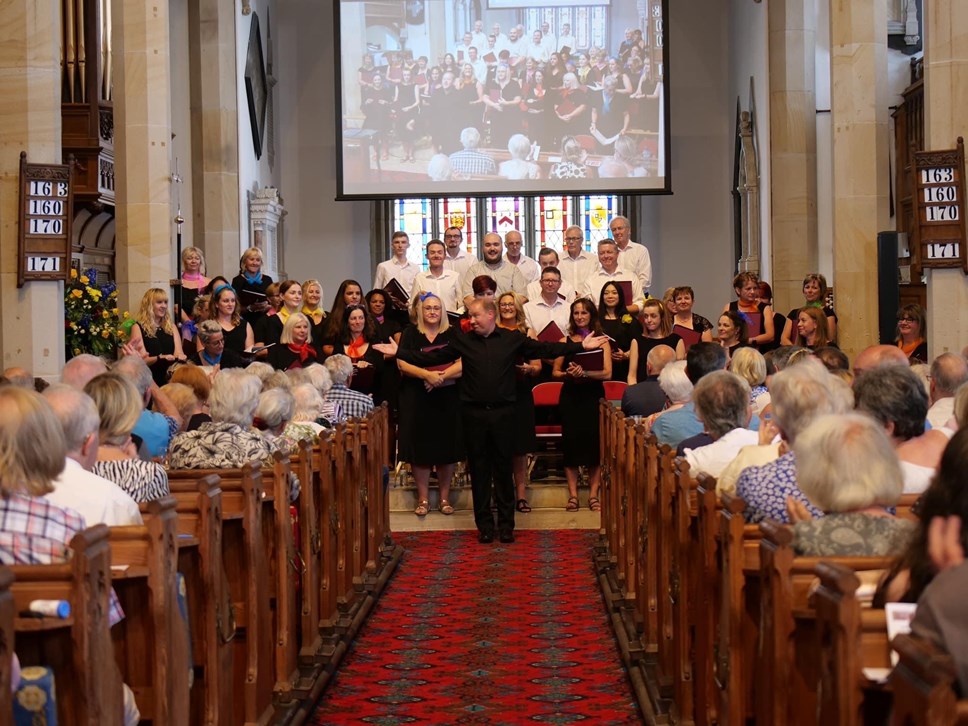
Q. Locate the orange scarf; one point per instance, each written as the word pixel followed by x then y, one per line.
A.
pixel 910 347
pixel 355 349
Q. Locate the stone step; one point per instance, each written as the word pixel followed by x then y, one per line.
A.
pixel 545 494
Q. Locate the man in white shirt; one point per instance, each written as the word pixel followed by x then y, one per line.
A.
pixel 529 267
pixel 461 53
pixel 548 39
pixel 478 38
pixel 517 47
pixel 609 271
pixel 567 40
pixel 631 255
pixel 507 276
pixel 537 50
pixel 948 372
pixel 398 267
pixel 578 263
pixel 548 257
pixel 98 500
pixel 474 61
pixel 457 258
pixel 722 401
pixel 548 305
pixel 500 39
pixel 438 279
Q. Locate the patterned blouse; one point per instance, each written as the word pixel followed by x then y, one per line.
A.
pixel 218 445
pixel 144 481
pixel 765 490
pixel 852 534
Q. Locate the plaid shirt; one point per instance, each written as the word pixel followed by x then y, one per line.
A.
pixel 471 161
pixel 353 403
pixel 35 532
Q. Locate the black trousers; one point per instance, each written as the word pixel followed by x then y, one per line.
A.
pixel 489 437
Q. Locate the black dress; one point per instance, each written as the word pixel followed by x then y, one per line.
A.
pixel 229 359
pixel 161 344
pixel 754 321
pixel 235 338
pixel 243 286
pixel 578 408
pixel 623 334
pixel 270 329
pixel 430 422
pixel 647 344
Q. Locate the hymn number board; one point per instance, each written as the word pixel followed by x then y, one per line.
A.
pixel 940 193
pixel 46 210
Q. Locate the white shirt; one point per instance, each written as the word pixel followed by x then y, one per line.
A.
pixel 480 69
pixel 917 478
pixel 460 263
pixel 594 283
pixel 942 410
pixel 507 276
pixel 538 313
pixel 517 48
pixel 462 52
pixel 569 42
pixel 445 287
pixel 95 498
pixel 539 53
pixel 713 458
pixel 566 289
pixel 635 258
pixel 550 42
pixel 575 271
pixel 479 41
pixel 529 267
pixel 393 270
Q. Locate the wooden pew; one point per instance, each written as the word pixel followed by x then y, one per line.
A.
pixel 7 615
pixel 923 684
pixel 683 584
pixel 85 694
pixel 734 651
pixel 308 465
pixel 151 643
pixel 662 527
pixel 706 600
pixel 646 491
pixel 850 638
pixel 246 568
pixel 788 661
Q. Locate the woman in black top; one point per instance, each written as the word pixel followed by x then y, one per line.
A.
pixel 355 341
pixel 292 297
pixel 656 330
pixel 732 331
pixel 250 285
pixel 620 326
pixel 224 309
pixel 155 336
pixel 349 293
pixel 295 349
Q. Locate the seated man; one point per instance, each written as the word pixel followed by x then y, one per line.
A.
pixel 82 368
pixel 153 429
pixel 469 161
pixel 353 403
pixel 646 397
pixel 722 401
pixel 948 372
pixel 674 426
pixel 95 498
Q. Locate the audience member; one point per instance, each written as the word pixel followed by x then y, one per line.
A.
pixel 722 401
pixel 184 400
pixel 353 403
pixel 646 397
pixel 876 356
pixel 948 372
pixel 82 368
pixel 153 429
pixel 674 426
pixel 847 470
pixel 750 365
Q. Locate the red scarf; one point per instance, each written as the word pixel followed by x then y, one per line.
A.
pixel 302 351
pixel 355 349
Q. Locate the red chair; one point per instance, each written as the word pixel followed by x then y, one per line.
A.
pixel 614 391
pixel 547 395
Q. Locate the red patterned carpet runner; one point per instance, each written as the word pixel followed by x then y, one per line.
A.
pixel 486 634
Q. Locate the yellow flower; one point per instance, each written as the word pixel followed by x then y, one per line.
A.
pixel 77 351
pixel 626 319
pixel 73 274
pixel 105 334
pixel 105 315
pixel 77 293
pixel 84 279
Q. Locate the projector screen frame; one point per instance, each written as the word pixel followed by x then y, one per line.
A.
pixel 505 187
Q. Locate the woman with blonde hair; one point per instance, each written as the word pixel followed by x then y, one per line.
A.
pixel 295 349
pixel 119 407
pixel 312 299
pixel 193 280
pixel 250 285
pixel 430 430
pixel 154 335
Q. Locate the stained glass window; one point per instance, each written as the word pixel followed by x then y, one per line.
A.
pixel 415 217
pixel 551 216
pixel 594 213
pixel 505 214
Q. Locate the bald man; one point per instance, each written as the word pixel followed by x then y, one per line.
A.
pixel 877 356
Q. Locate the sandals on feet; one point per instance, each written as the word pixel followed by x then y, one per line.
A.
pixel 523 506
pixel 572 505
pixel 444 507
pixel 594 504
pixel 423 506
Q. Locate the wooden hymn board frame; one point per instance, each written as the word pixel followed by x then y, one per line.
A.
pixel 46 212
pixel 939 185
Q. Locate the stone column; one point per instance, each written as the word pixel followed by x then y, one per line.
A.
pixel 793 146
pixel 945 102
pixel 859 119
pixel 215 134
pixel 142 123
pixel 32 324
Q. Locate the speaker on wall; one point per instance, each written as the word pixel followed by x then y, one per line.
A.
pixel 888 290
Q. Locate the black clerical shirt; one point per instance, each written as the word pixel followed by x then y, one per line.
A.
pixel 488 363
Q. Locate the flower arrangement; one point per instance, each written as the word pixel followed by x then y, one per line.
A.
pixel 91 320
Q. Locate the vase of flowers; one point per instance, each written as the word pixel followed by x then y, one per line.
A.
pixel 91 320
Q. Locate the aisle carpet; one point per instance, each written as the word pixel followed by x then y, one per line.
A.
pixel 486 634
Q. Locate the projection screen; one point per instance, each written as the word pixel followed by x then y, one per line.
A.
pixel 501 97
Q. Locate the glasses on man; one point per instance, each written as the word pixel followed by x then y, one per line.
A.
pixel 573 238
pixel 451 236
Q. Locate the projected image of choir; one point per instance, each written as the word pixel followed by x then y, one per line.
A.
pixel 522 105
